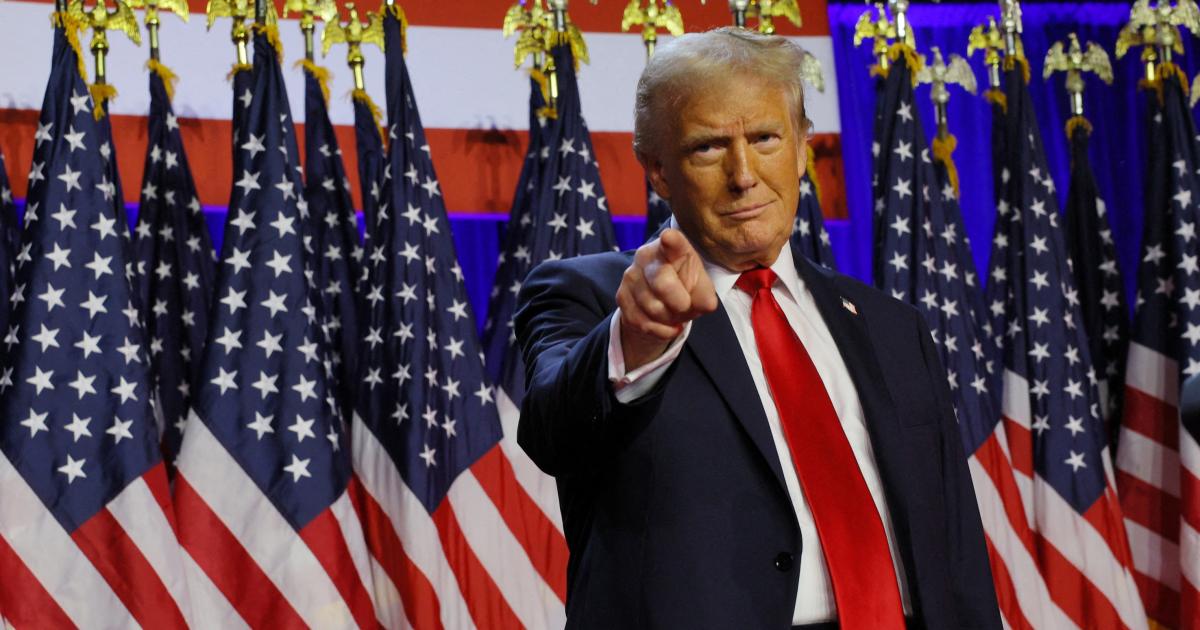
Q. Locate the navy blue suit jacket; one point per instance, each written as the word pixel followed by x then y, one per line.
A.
pixel 675 509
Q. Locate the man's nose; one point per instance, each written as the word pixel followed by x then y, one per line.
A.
pixel 741 166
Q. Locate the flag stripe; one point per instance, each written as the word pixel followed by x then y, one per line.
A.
pixel 1148 506
pixel 125 568
pixel 1162 603
pixel 23 600
pixel 1078 597
pixel 1151 463
pixel 323 535
pixel 483 598
pixel 411 524
pixel 419 600
pixel 210 608
pixel 139 514
pixel 1153 372
pixel 1151 416
pixel 1190 607
pixel 1006 592
pixel 351 530
pixel 541 541
pixel 540 487
pixel 224 488
pixel 230 567
pixel 1154 555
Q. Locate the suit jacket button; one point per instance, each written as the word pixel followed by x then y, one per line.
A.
pixel 784 561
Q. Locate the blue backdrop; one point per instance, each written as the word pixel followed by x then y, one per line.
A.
pixel 1118 145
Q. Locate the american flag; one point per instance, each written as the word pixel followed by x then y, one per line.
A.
pixel 371 173
pixel 1158 457
pixel 1051 404
pixel 502 357
pixel 175 270
pixel 808 229
pixel 1094 265
pixel 113 176
pixel 9 241
pixel 86 528
pixel 334 244
pixel 456 540
pixel 261 488
pixel 927 263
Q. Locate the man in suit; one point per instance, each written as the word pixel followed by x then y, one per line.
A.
pixel 742 439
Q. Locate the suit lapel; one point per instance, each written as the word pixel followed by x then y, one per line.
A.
pixel 716 348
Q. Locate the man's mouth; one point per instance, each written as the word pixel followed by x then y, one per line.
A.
pixel 747 212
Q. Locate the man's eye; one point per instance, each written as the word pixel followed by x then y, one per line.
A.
pixel 703 148
pixel 765 137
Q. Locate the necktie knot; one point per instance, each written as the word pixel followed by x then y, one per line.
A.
pixel 756 280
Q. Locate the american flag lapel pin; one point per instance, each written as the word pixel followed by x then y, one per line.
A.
pixel 850 306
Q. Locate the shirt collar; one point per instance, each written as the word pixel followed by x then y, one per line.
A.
pixel 784 267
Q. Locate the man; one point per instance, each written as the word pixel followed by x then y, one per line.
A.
pixel 742 439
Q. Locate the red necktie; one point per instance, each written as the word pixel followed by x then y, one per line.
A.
pixel 848 524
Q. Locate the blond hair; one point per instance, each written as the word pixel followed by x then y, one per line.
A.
pixel 677 67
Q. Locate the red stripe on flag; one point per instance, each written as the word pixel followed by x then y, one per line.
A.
pixel 324 538
pixel 1161 602
pixel 484 600
pixel 991 458
pixel 1020 446
pixel 1073 591
pixel 160 489
pixel 542 542
pixel 1190 607
pixel 1105 516
pixel 23 600
pixel 105 543
pixel 1189 489
pixel 1006 593
pixel 1151 417
pixel 419 598
pixel 1148 506
pixel 227 563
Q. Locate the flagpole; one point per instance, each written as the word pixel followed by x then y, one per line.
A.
pixel 739 7
pixel 1010 15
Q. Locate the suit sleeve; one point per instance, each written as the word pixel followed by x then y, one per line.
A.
pixel 571 420
pixel 974 592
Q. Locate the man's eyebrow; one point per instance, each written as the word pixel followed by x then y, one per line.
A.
pixel 703 136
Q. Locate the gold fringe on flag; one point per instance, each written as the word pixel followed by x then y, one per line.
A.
pixel 362 97
pixel 1078 122
pixel 943 151
pixel 101 94
pixel 167 75
pixel 398 12
pixel 1162 72
pixel 996 97
pixel 548 111
pixel 320 73
pixel 71 26
pixel 901 49
pixel 238 67
pixel 810 160
pixel 272 33
pixel 1011 61
pixel 877 71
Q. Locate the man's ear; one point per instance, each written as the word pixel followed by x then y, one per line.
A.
pixel 654 173
pixel 801 155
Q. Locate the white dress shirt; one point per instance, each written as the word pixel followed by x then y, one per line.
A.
pixel 814 601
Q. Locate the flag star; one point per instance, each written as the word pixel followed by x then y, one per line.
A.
pixel 130 351
pixel 120 430
pixel 79 102
pixel 283 224
pixel 1074 388
pixel 1184 197
pixel 903 187
pixel 287 187
pixel 455 348
pixel 430 224
pixel 1040 351
pixel 905 111
pixel 448 427
pixel 65 217
pixel 1075 461
pixel 451 388
pixel 585 228
pixel 280 264
pixel 1075 425
pixel 35 422
pixel 1040 388
pixel 431 187
pixel 1154 254
pixel 1039 244
pixel 255 144
pixel 41 380
pixel 586 189
pixel 43 134
pixel 1039 279
pixel 949 270
pixel 266 384
pixel 485 394
pixel 298 468
pixel 225 380
pixel 1041 316
pixel 261 425
pixel 47 337
pixel 270 343
pixel 83 384
pixel 558 222
pixel 410 252
pixel 458 309
pixel 100 265
pixel 900 225
pixel 567 146
pixel 74 139
pixel 978 385
pixel 302 428
pixel 73 469
pixel 1041 423
pixel 309 350
pixel 248 182
pixel 230 340
pixel 234 300
pixel 904 150
pixel 1193 333
pixel 244 221
pixel 306 388
pixel 275 303
pixel 427 455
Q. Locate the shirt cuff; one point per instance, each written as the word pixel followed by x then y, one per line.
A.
pixel 630 386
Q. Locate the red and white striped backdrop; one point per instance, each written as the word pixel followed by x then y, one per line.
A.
pixel 473 102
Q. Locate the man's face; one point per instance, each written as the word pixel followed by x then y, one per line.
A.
pixel 730 166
